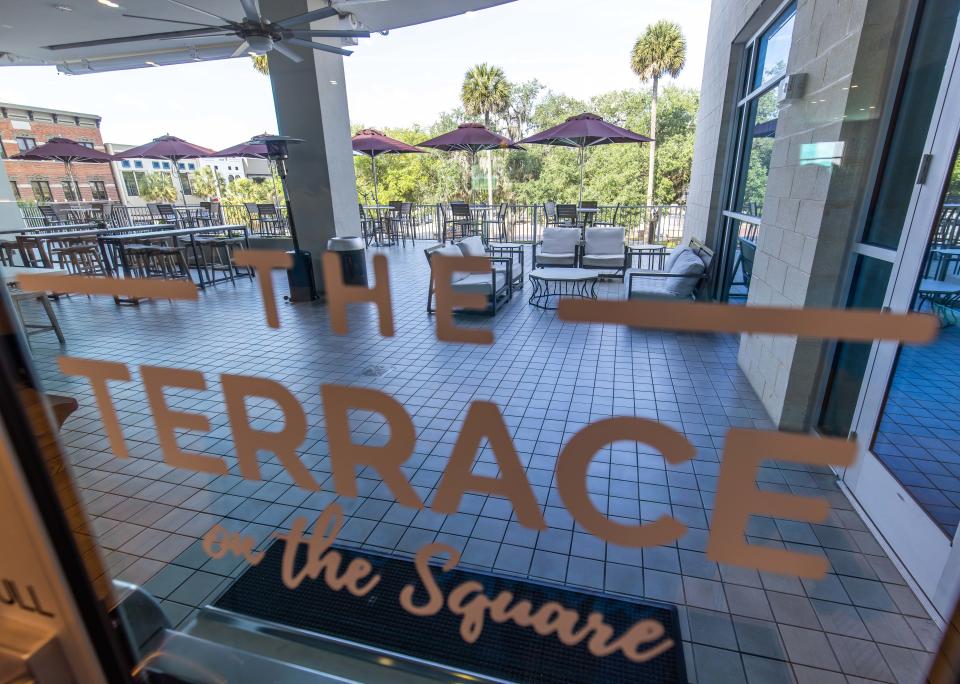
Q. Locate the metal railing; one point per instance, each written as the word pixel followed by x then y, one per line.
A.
pixel 524 222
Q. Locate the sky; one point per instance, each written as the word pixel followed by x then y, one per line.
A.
pixel 409 76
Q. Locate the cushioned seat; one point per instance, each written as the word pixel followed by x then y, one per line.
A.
pixel 495 284
pixel 479 282
pixel 679 280
pixel 558 247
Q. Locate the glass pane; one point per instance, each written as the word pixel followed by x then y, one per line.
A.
pixel 774 50
pixel 743 245
pixel 907 141
pixel 869 288
pixel 758 149
pixel 917 436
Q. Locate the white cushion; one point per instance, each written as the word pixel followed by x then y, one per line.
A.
pixel 478 282
pixel 560 241
pixel 605 241
pixel 472 246
pixel 688 264
pixel 447 250
pixel 556 259
pixel 604 260
pixel 673 256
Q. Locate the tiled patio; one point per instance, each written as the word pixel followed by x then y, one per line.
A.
pixel 861 623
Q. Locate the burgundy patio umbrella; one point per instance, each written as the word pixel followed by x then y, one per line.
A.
pixel 583 131
pixel 251 149
pixel 373 143
pixel 170 148
pixel 470 138
pixel 66 151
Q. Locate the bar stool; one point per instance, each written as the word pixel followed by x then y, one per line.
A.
pixel 19 296
pixel 8 251
pixel 216 255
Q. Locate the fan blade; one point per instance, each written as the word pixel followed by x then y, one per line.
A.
pixel 331 33
pixel 243 47
pixel 172 21
pixel 306 18
pixel 197 9
pixel 287 52
pixel 208 34
pixel 250 10
pixel 318 46
pixel 186 33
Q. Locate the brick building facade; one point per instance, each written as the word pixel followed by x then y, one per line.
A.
pixel 23 126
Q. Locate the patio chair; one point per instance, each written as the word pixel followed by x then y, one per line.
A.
pixel 559 247
pixel 463 219
pixel 168 214
pixel 605 217
pixel 473 246
pixel 498 223
pixel 368 226
pixel 567 215
pixel 605 247
pixel 748 252
pixel 498 285
pixel 550 210
pixel 154 213
pixel 685 275
pixel 271 222
pixel 253 216
pixel 50 216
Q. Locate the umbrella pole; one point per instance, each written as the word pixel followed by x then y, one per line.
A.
pixel 376 194
pixel 581 177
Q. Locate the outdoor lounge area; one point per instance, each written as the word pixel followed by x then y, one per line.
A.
pixel 550 378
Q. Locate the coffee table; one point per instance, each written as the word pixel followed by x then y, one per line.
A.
pixel 551 284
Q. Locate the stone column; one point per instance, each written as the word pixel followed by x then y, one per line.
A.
pixel 311 102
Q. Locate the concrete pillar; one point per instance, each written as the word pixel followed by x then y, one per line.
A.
pixel 9 212
pixel 311 102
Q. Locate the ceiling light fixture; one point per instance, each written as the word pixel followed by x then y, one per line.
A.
pixel 108 3
pixel 63 8
pixel 154 64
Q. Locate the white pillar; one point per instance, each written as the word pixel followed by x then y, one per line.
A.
pixel 311 102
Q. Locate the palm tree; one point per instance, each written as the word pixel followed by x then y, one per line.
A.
pixel 260 64
pixel 661 50
pixel 485 92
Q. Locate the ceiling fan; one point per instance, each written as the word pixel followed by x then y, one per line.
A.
pixel 258 34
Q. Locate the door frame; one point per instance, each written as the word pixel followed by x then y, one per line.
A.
pixel 915 541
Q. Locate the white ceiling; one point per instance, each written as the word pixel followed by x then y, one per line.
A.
pixel 27 26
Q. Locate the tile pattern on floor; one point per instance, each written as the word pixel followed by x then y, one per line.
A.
pixel 860 623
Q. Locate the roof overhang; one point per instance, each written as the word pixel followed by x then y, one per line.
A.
pixel 27 27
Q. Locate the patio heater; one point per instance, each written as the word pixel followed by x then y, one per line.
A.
pixel 303 286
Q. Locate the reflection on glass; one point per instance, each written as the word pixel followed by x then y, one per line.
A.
pixel 755 166
pixel 744 251
pixel 917 436
pixel 870 279
pixel 775 50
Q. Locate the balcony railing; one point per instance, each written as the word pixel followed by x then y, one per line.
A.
pixel 525 222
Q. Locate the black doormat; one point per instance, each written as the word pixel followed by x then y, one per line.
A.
pixel 504 651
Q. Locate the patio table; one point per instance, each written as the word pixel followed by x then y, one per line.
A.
pixel 654 252
pixel 944 298
pixel 115 244
pixel 945 256
pixel 45 238
pixel 569 283
pixel 48 229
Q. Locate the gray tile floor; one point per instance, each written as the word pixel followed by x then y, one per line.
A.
pixel 861 623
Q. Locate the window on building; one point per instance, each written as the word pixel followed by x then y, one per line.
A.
pixel 98 190
pixel 138 164
pixel 166 166
pixel 125 163
pixel 185 184
pixel 87 143
pixel 131 183
pixel 16 190
pixel 155 164
pixel 25 143
pixel 181 166
pixel 71 191
pixel 191 166
pixel 757 113
pixel 41 191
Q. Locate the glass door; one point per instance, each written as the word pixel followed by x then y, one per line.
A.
pixel 908 477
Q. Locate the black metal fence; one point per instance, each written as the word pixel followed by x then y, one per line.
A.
pixel 525 222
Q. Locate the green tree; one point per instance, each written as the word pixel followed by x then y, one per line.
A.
pixel 206 182
pixel 157 187
pixel 261 64
pixel 661 50
pixel 485 92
